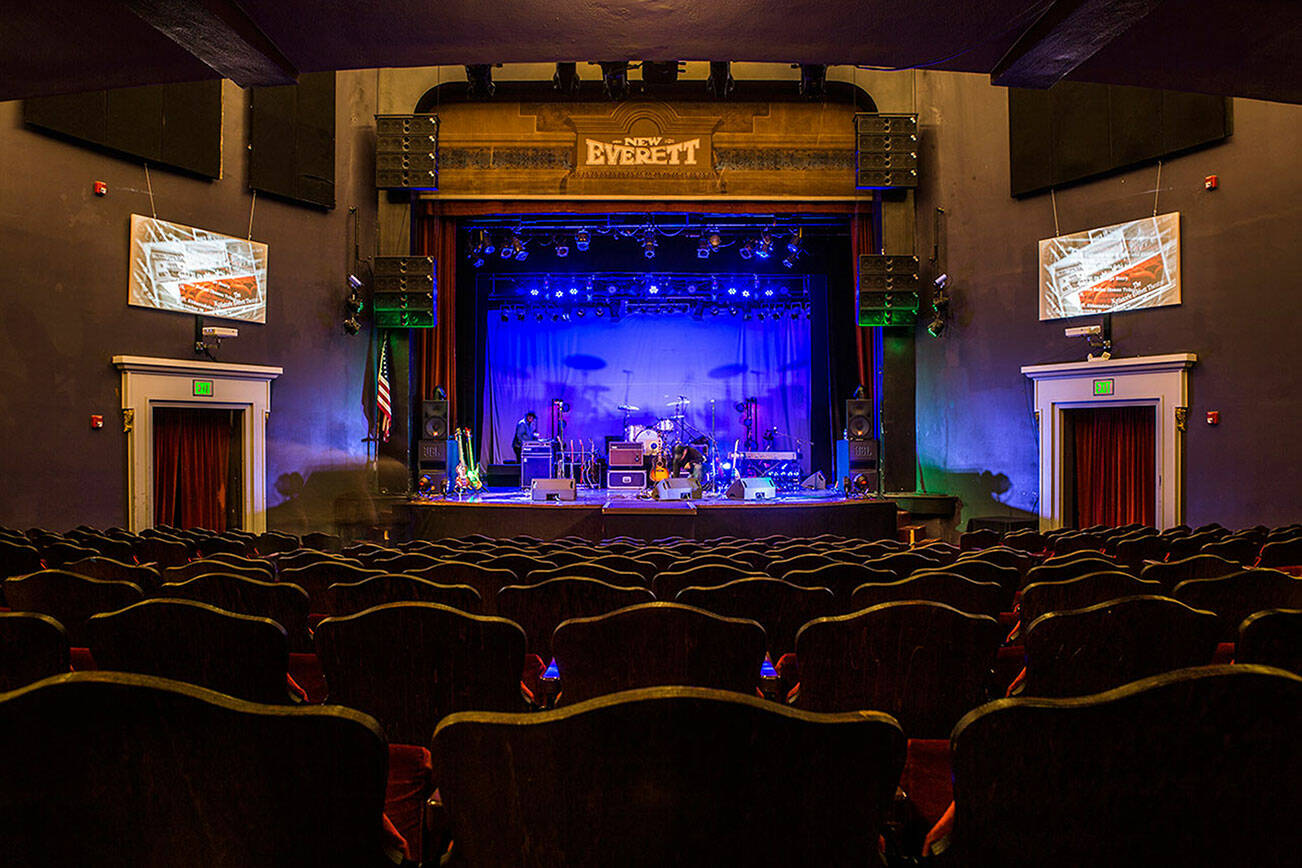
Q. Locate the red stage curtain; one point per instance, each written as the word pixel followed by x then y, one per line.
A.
pixel 437 237
pixel 191 464
pixel 868 339
pixel 1116 473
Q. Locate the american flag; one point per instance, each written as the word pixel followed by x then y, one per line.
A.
pixel 384 419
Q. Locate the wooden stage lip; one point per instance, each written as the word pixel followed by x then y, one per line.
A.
pixel 597 515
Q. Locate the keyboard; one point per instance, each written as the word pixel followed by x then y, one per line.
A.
pixel 766 456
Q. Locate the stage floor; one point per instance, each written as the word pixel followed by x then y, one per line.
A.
pixel 600 513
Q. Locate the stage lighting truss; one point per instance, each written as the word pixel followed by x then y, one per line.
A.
pixel 782 238
pixel 568 298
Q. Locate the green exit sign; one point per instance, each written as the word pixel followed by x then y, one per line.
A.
pixel 1103 387
pixel 203 388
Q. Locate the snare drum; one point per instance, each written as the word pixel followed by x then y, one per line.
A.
pixel 650 440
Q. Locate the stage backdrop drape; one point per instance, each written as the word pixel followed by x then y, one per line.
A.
pixel 437 237
pixel 596 365
pixel 1115 465
pixel 191 463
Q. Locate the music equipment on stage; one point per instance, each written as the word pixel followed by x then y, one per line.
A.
pixel 766 456
pixel 625 454
pixel 652 442
pixel 858 420
pixel 886 151
pixel 858 458
pixel 467 472
pixel 621 479
pixel 552 490
pixel 404 292
pixel 815 481
pixel 752 488
pixel 535 461
pixel 659 471
pixel 887 290
pixel 677 489
pixel 863 484
pixel 407 152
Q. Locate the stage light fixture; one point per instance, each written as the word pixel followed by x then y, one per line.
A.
pixel 560 293
pixel 534 292
pixel 538 315
pixel 745 293
pixel 813 80
pixel 732 310
pixel 654 289
pixel 579 312
pixel 518 250
pixel 703 248
pixel 476 252
pixel 768 293
pixel 574 290
pixel 649 244
pixel 566 79
pixel 764 248
pixel 506 251
pixel 614 78
pixel 479 80
pixel 720 83
pixel 351 325
pixel 794 249
pixel 659 71
pixel 562 248
pixel 747 249
pixel 505 316
pixel 732 290
pixel 489 247
pixel 519 314
pixel 599 311
pixel 759 314
pixel 582 240
pixel 354 282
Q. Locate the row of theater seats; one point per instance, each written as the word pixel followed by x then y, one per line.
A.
pixel 669 652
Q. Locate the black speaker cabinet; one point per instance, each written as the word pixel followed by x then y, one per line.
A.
pixel 431 452
pixel 858 419
pixel 407 152
pixel 887 290
pixel 434 419
pixel 404 292
pixel 886 151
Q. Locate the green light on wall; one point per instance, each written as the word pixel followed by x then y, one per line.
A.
pixel 202 388
pixel 1103 387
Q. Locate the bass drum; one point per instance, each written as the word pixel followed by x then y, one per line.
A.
pixel 650 440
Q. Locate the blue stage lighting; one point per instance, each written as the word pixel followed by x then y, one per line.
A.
pixel 560 294
pixel 534 291
pixel 574 290
pixel 653 289
pixel 769 292
pixel 732 290
pixel 745 293
pixel 581 240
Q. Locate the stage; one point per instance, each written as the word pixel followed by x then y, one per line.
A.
pixel 600 514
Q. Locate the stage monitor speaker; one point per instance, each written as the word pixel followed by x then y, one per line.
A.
pixel 858 419
pixel 553 490
pixel 862 483
pixel 434 419
pixel 677 489
pixel 407 152
pixel 404 292
pixel 752 488
pixel 625 480
pixel 626 454
pixel 815 481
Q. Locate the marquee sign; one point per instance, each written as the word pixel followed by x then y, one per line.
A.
pixel 641 151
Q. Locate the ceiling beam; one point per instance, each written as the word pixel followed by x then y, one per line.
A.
pixel 222 36
pixel 1069 33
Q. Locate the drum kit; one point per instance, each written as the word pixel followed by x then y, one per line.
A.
pixel 660 437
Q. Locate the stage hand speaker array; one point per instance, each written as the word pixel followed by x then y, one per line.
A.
pixel 888 290
pixel 407 152
pixel 886 151
pixel 404 292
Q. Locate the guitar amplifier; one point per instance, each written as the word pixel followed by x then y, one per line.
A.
pixel 626 480
pixel 626 454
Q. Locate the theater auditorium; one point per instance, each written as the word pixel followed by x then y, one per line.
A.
pixel 645 434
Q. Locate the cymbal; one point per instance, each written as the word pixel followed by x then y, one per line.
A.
pixel 628 408
pixel 679 401
pixel 677 416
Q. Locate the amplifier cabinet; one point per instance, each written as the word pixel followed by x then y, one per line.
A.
pixel 626 454
pixel 627 480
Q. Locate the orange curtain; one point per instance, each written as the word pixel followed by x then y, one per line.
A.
pixel 191 463
pixel 437 236
pixel 1115 465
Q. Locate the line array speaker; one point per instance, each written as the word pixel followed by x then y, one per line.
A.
pixel 407 152
pixel 404 292
pixel 886 151
pixel 888 290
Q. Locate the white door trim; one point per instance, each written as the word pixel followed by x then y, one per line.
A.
pixel 1161 382
pixel 150 382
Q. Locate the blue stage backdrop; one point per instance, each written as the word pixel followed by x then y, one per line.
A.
pixel 596 364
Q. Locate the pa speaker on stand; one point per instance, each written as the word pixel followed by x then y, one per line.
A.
pixel 436 449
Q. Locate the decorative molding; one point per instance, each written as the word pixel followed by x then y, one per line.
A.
pixel 1182 419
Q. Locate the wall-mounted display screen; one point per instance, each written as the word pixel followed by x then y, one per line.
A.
pixel 181 268
pixel 1127 266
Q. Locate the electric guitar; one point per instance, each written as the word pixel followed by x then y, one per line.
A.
pixel 462 472
pixel 473 479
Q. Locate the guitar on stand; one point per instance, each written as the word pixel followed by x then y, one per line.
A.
pixel 468 476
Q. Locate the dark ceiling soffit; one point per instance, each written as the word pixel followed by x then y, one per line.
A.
pixel 219 34
pixel 1069 33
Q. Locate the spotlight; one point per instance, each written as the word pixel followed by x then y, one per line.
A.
pixel 505 316
pixel 351 325
pixel 517 249
pixel 574 290
pixel 477 251
pixel 793 249
pixel 566 79
pixel 813 80
pixel 747 249
pixel 745 293
pixel 506 250
pixel 654 289
pixel 768 293
pixel 538 316
pixel 479 79
pixel 560 294
pixel 649 244
pixel 581 240
pixel 562 249
pixel 715 241
pixel 489 247
pixel 354 303
pixel 720 83
pixel 599 311
pixel 614 78
pixel 519 314
pixel 534 291
pixel 579 312
pixel 703 248
pixel 764 249
pixel 732 290
pixel 354 281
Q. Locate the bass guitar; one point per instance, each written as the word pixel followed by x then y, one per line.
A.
pixel 473 476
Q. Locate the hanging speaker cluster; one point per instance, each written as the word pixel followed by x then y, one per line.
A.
pixel 407 152
pixel 888 290
pixel 404 292
pixel 886 151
